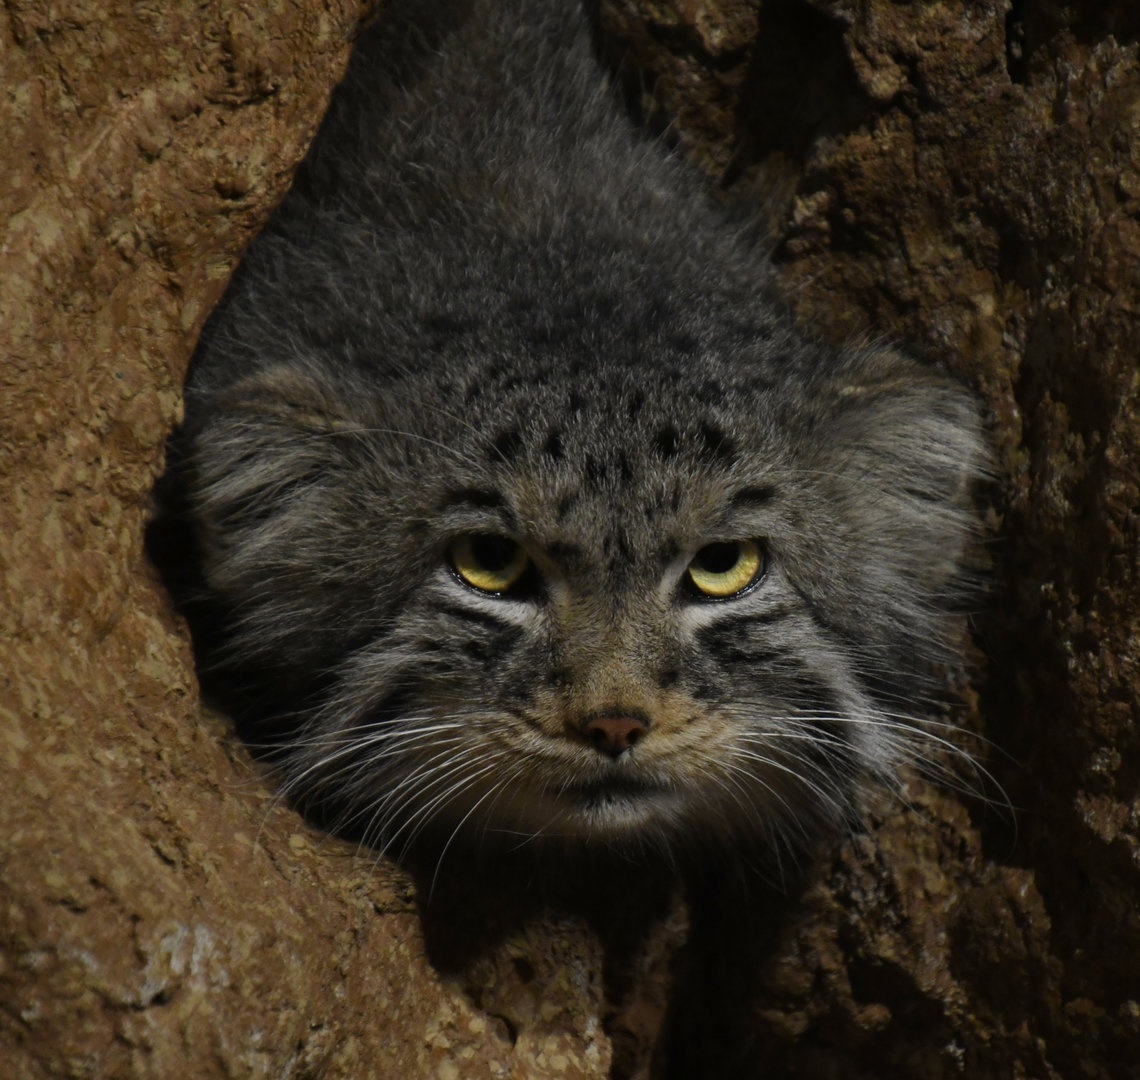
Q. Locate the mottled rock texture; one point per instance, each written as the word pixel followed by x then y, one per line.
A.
pixel 965 177
pixel 961 175
pixel 160 916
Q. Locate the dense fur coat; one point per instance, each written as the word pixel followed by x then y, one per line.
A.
pixel 495 326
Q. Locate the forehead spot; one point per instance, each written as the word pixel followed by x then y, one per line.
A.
pixel 596 469
pixel 553 446
pixel 565 553
pixel 717 443
pixel 625 470
pixel 506 445
pixel 565 505
pixel 667 441
pixel 758 495
pixel 482 498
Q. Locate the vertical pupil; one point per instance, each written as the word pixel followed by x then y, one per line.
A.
pixel 492 552
pixel 719 558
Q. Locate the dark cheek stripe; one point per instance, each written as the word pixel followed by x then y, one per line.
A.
pixel 470 615
pixel 763 618
pixel 481 498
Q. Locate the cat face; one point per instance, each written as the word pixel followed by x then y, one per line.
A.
pixel 590 609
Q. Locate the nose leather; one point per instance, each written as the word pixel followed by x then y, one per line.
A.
pixel 613 734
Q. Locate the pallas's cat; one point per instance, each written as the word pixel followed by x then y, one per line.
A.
pixel 523 514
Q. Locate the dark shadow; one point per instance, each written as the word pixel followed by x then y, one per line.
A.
pixel 479 900
pixel 800 84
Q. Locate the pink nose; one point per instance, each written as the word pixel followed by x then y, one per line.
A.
pixel 614 733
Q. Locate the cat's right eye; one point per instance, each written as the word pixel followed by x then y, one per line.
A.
pixel 487 562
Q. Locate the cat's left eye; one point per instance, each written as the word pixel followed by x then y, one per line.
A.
pixel 727 568
pixel 489 563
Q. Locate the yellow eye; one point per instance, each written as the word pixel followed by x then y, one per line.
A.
pixel 488 563
pixel 726 568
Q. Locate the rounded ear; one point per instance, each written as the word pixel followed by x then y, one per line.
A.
pixel 897 453
pixel 252 454
pixel 914 430
pixel 253 484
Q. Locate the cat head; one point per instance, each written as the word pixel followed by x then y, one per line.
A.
pixel 624 604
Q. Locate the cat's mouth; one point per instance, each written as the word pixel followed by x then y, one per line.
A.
pixel 615 802
pixel 609 789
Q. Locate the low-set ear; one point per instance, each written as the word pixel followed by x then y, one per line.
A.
pixel 915 430
pixel 262 446
pixel 898 454
pixel 266 471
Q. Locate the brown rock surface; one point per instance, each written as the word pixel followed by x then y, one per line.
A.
pixel 160 916
pixel 962 175
pixel 966 177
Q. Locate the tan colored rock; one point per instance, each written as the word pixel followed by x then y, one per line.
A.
pixel 160 915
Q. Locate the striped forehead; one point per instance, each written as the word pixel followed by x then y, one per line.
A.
pixel 637 498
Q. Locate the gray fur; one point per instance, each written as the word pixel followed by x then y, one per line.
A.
pixel 491 305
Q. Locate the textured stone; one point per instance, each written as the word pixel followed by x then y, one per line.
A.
pixel 963 177
pixel 160 914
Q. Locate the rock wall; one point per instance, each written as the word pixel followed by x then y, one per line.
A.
pixel 963 175
pixel 160 915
